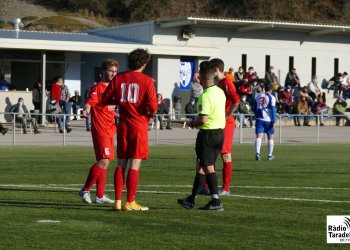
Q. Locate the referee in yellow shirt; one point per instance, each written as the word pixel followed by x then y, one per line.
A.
pixel 210 138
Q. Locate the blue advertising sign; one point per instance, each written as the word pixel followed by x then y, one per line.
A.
pixel 186 73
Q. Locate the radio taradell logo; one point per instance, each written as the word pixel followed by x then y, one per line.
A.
pixel 338 229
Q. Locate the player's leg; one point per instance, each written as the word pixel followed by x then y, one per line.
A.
pixel 138 150
pixel 119 180
pixel 270 143
pixel 259 131
pixel 106 152
pixel 227 159
pixel 212 152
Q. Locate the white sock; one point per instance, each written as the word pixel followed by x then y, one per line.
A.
pixel 270 144
pixel 258 145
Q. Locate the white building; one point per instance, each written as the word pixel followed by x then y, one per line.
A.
pixel 310 48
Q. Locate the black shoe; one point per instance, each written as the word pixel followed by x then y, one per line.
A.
pixel 168 127
pixel 60 131
pixel 161 128
pixel 25 132
pixel 186 203
pixel 4 131
pixel 88 129
pixel 214 204
pixel 37 131
pixel 75 119
pixel 69 130
pixel 205 191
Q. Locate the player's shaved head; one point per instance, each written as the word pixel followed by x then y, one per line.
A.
pixel 138 58
pixel 218 63
pixel 206 71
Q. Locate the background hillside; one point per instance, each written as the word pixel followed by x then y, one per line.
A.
pixel 75 15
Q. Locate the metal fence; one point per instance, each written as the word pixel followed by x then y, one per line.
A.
pixel 180 134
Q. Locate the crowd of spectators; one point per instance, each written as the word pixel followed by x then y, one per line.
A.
pixel 300 100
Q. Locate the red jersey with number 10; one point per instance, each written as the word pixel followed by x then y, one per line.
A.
pixel 102 117
pixel 135 94
pixel 231 96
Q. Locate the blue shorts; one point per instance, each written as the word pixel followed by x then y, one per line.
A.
pixel 263 127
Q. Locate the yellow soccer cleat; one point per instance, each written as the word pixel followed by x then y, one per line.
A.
pixel 133 206
pixel 118 205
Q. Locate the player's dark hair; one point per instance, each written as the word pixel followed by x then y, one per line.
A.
pixel 218 63
pixel 206 70
pixel 137 58
pixel 108 63
pixel 268 87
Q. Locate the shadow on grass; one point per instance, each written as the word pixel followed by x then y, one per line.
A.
pixel 55 205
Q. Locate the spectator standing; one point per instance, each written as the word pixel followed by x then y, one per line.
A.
pixel 23 117
pixel 4 85
pixel 77 103
pixel 163 111
pixel 339 108
pixel 210 139
pixel 196 88
pixel 135 95
pixel 270 75
pixel 36 95
pixel 103 131
pixel 55 92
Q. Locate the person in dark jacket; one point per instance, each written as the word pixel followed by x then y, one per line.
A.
pixel 163 111
pixel 23 117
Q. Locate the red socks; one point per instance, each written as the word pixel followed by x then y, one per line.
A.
pixel 94 174
pixel 206 185
pixel 132 182
pixel 101 183
pixel 226 175
pixel 118 182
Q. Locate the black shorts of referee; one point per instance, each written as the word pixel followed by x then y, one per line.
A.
pixel 209 144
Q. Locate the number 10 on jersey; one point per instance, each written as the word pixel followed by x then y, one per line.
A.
pixel 130 93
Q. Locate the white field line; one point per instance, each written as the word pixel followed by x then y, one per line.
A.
pixel 64 187
pixel 175 186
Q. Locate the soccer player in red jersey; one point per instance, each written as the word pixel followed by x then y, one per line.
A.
pixel 102 130
pixel 232 102
pixel 135 94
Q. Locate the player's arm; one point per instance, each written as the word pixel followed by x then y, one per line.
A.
pixel 273 109
pixel 234 97
pixel 108 95
pixel 91 101
pixel 151 103
pixel 201 119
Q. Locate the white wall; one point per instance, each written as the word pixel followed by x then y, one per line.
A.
pixel 72 72
pixel 278 44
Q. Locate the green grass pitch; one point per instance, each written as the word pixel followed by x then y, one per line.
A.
pixel 280 204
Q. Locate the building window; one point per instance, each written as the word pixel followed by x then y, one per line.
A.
pixel 244 61
pixel 336 66
pixel 313 66
pixel 267 63
pixel 291 62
